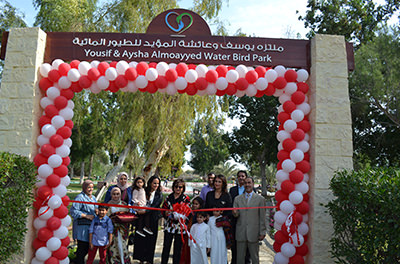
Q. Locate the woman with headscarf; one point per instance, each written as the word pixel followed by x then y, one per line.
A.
pixel 118 251
pixel 122 184
pixel 83 215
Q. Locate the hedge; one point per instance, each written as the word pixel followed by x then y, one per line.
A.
pixel 366 216
pixel 17 178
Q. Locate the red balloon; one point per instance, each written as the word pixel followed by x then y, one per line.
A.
pixel 44 192
pixel 289 144
pixel 302 87
pixel 298 97
pixel 37 243
pixel 279 165
pixel 261 71
pixel 303 207
pixel 191 89
pixel 211 76
pixel 153 65
pixel 280 237
pixel 161 82
pixel 302 250
pixel 44 234
pixel 221 70
pixel 61 171
pixel 282 117
pixel 231 89
pixel 280 83
pixel 66 200
pixel 51 111
pixel 280 128
pixel 102 67
pixel 287 186
pixel 303 166
pixel 93 74
pixel 277 247
pixel 52 260
pixel 304 125
pixel 112 87
pixel 53 223
pixel 282 155
pixel 75 64
pixel 296 176
pixel 306 197
pixel 61 211
pixel 298 218
pixel 75 87
pixel 61 253
pixel 285 231
pixel 38 202
pixel 270 90
pixel 180 91
pixel 65 241
pixel 45 84
pixel 54 75
pixel 131 74
pixel 63 68
pixel 53 180
pixel 47 150
pixel 85 82
pixel 259 94
pixel 296 259
pixel 291 75
pixel 307 156
pixel 201 83
pixel 67 93
pixel 56 140
pixel 181 69
pixel 220 93
pixel 66 161
pixel 171 75
pixel 39 160
pixel 280 196
pixel 242 84
pixel 121 81
pixel 60 102
pixel 69 124
pixel 251 76
pixel 298 135
pixel 113 64
pixel 151 88
pixel 65 132
pixel 44 120
pixel 289 106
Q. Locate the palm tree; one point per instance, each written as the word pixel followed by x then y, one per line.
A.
pixel 228 169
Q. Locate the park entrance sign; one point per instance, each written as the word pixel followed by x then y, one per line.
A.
pixel 179 55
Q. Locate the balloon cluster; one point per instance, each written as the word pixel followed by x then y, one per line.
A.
pixel 60 81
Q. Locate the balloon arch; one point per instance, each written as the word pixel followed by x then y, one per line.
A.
pixel 60 81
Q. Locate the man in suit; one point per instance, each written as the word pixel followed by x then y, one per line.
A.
pixel 251 226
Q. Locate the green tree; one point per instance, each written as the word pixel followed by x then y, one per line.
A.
pixel 227 168
pixel 254 143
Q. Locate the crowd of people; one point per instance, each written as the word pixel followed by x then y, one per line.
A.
pixel 212 232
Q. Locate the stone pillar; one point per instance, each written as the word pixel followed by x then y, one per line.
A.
pixel 331 136
pixel 19 102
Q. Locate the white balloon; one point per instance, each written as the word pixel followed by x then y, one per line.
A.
pixel 71 104
pixel 46 101
pixel 84 67
pixel 73 75
pixel 298 240
pixel 286 207
pixel 201 92
pixel 303 227
pixel 277 226
pixel 261 84
pixel 280 147
pixel 63 151
pixel 302 75
pixel 121 67
pixel 53 244
pixel 66 180
pixel 306 177
pixel 162 68
pixel 39 223
pixel 141 82
pixel 288 250
pixel 56 63
pixel 64 261
pixel 67 113
pixel 60 190
pixel 211 90
pixel 94 88
pixel 280 70
pixel 221 83
pixel 242 70
pixel 45 212
pixel 172 65
pixel 151 74
pixel 55 161
pixel 290 88
pixel 171 89
pixel 131 86
pixel 303 146
pixel 282 175
pixel 41 140
pixel 283 98
pixel 133 64
pixel 289 125
pixel 68 142
pixel 43 254
pixel 66 221
pixel 45 171
pixel 211 67
pixel 280 109
pixel 278 92
pixel 251 90
pixel 111 74
pixel 53 92
pixel 103 83
pixel 40 182
pixel 44 69
pixel 304 107
pixel 201 70
pixel 55 202
pixel 61 232
pixel 240 93
pixel 288 165
pixel 64 82
pixel 271 75
pixel 297 115
pixel 57 121
pixel 181 83
pixel 305 218
pixel 232 76
pixel 301 187
pixel 280 259
pixel 191 76
pixel 295 197
pixel 280 217
pixel 94 63
pixel 282 135
pixel 48 130
pixel 296 155
pixel 36 261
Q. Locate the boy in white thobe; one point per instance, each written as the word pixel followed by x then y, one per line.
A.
pixel 201 234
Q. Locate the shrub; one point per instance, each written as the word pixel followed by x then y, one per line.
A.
pixel 366 216
pixel 17 177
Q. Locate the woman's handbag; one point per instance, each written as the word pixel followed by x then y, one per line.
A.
pixel 123 217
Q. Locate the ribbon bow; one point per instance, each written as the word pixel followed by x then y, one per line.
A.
pixel 181 211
